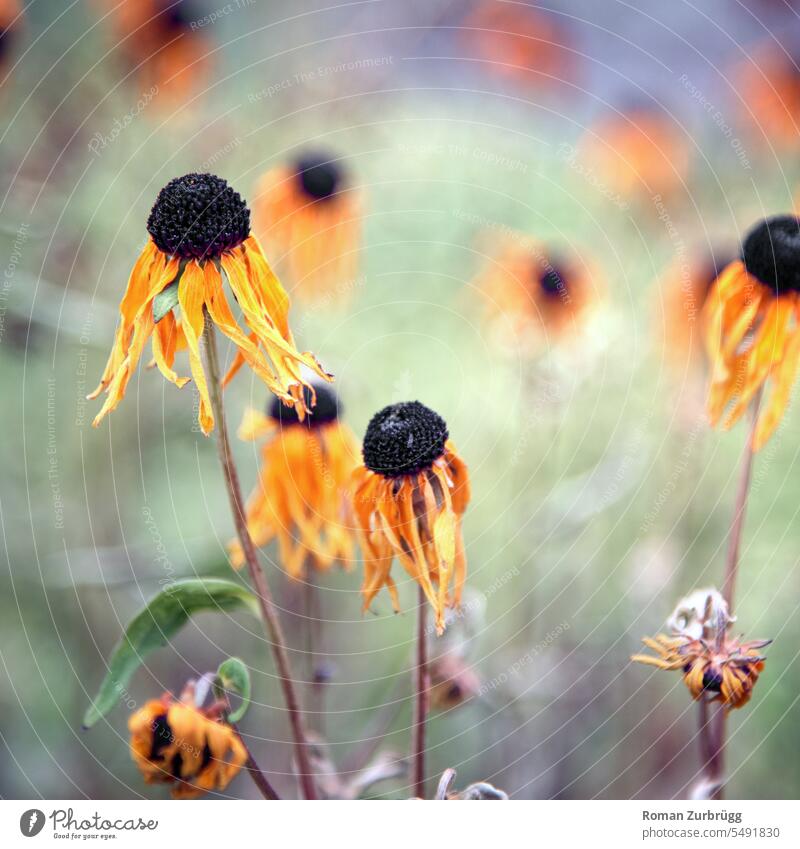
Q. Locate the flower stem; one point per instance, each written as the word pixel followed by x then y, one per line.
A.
pixel 269 615
pixel 421 698
pixel 254 770
pixel 737 523
pixel 712 728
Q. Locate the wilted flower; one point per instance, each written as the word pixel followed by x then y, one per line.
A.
pixel 200 227
pixel 193 749
pixel 409 497
pixel 752 326
pixel 712 662
pixel 301 496
pixel 309 213
pixel 538 291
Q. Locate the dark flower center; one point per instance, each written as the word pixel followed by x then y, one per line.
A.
pixel 162 736
pixel 319 178
pixel 198 216
pixel 712 679
pixel 771 253
pixel 7 37
pixel 327 408
pixel 179 16
pixel 404 439
pixel 552 281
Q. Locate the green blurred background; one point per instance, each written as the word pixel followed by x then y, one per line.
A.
pixel 600 495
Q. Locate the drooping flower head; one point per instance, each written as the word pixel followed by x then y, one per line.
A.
pixel 308 213
pixel 752 327
pixel 199 230
pixel 715 665
pixel 191 748
pixel 409 497
pixel 542 293
pixel 301 495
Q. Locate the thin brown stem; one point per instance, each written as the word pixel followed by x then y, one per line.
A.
pixel 712 727
pixel 269 615
pixel 737 523
pixel 314 664
pixel 421 698
pixel 254 770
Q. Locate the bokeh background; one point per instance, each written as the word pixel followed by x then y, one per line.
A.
pixel 600 494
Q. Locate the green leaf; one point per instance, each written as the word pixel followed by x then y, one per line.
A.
pixel 234 677
pixel 164 301
pixel 155 625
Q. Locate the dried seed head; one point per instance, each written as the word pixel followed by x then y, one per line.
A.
pixel 485 791
pixel 198 216
pixel 771 253
pixel 403 439
pixel 699 614
pixel 319 177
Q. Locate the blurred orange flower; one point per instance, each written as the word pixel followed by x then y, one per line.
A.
pixel 308 214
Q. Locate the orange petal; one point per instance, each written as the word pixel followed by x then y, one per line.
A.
pixel 191 295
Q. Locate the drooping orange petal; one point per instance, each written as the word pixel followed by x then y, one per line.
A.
pixel 191 296
pixel 768 347
pixel 147 271
pixel 285 358
pixel 220 313
pixel 776 404
pixel 165 340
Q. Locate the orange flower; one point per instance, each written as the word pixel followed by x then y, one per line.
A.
pixel 306 213
pixel 684 289
pixel 157 39
pixel 523 44
pixel 409 497
pixel 725 668
pixel 193 749
pixel 10 23
pixel 768 85
pixel 641 153
pixel 199 228
pixel 751 327
pixel 537 290
pixel 301 493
